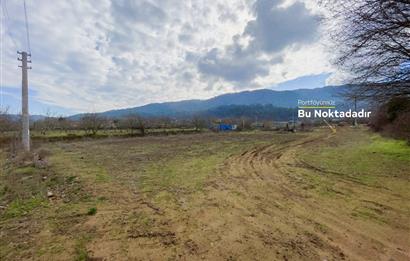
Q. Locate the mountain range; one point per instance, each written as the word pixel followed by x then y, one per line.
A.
pixel 281 99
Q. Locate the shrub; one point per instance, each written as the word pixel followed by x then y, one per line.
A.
pixel 92 211
pixel 393 118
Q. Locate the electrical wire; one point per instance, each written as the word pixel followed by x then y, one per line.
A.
pixel 4 30
pixel 27 29
pixel 6 15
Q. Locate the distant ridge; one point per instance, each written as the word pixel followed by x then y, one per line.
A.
pixel 34 117
pixel 284 99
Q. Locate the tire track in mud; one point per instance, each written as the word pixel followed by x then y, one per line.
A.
pixel 255 209
pixel 274 218
pixel 346 234
pixel 251 217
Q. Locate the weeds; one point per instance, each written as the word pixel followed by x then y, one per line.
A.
pixel 18 208
pixel 81 253
pixel 92 211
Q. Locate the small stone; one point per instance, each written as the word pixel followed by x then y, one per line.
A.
pixel 50 194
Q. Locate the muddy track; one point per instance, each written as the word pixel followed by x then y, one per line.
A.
pixel 261 210
pixel 260 206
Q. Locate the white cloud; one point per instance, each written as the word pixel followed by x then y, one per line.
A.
pixel 100 55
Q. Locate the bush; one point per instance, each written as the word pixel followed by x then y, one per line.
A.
pixel 400 127
pixel 92 211
pixel 396 107
pixel 393 118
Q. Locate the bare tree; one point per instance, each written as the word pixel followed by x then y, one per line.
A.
pixel 6 123
pixel 135 122
pixel 49 123
pixel 372 45
pixel 198 122
pixel 64 124
pixel 91 123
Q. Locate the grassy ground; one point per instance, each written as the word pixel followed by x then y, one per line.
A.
pixel 362 154
pixel 249 195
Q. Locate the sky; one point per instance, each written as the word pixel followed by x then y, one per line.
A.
pixel 92 56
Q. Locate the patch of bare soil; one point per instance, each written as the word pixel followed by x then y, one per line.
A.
pixel 259 208
pixel 262 209
pixel 262 205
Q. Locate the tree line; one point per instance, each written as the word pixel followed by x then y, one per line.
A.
pixel 91 123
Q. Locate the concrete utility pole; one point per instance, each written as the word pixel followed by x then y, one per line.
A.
pixel 24 100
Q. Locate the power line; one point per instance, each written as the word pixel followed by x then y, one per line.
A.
pixel 27 30
pixel 7 21
pixel 4 13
